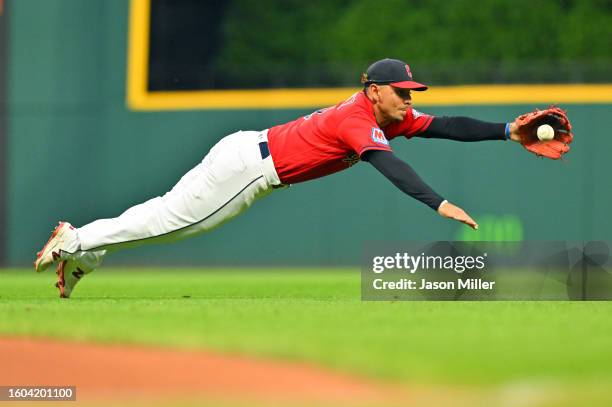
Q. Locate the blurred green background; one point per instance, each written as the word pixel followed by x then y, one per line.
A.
pixel 253 43
pixel 75 152
pixel 447 42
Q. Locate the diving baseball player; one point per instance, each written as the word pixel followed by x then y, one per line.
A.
pixel 248 165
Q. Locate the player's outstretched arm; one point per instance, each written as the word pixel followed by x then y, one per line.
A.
pixel 524 130
pixel 408 181
pixel 464 129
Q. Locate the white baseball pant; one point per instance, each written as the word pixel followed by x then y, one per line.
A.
pixel 227 182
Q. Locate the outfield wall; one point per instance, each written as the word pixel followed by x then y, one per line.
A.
pixel 75 152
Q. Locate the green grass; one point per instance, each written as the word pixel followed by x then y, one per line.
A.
pixel 317 316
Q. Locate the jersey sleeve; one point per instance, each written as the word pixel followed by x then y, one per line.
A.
pixel 360 134
pixel 414 123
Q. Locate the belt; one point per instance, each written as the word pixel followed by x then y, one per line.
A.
pixel 265 153
pixel 264 150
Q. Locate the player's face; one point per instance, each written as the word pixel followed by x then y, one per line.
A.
pixel 394 102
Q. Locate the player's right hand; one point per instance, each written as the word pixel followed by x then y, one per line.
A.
pixel 448 210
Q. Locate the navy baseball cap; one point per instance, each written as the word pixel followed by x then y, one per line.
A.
pixel 391 72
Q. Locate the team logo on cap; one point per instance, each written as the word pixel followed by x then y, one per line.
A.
pixel 408 70
pixel 379 137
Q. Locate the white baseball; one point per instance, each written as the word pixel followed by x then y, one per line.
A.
pixel 545 132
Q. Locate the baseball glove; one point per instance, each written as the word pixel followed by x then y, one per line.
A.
pixel 527 126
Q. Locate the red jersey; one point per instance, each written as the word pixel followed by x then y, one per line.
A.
pixel 333 139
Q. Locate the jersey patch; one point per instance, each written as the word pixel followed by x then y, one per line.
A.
pixel 378 136
pixel 416 113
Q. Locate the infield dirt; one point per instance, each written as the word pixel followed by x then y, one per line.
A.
pixel 107 373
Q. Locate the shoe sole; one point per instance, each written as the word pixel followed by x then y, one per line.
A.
pixel 61 281
pixel 43 261
pixel 61 271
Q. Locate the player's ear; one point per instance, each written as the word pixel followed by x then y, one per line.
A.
pixel 373 92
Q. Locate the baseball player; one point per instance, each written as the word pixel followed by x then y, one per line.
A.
pixel 248 165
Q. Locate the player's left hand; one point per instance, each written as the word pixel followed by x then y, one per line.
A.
pixel 448 210
pixel 524 130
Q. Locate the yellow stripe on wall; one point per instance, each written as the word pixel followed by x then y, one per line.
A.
pixel 139 97
pixel 516 94
pixel 138 54
pixel 311 98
